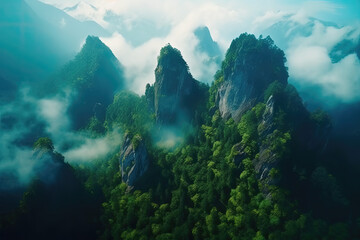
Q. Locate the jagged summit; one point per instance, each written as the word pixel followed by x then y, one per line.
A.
pixel 175 89
pixel 94 50
pixel 250 66
pixel 95 41
pixel 97 75
pixel 93 76
pixel 206 42
pixel 79 5
pixel 95 62
pixel 82 11
pixel 170 56
pixel 208 53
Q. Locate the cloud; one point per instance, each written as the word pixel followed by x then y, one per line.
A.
pixel 53 111
pixel 62 23
pixel 17 121
pixel 225 19
pixel 268 19
pixel 140 62
pixel 307 51
pixel 310 64
pixel 25 120
pixel 86 12
pixel 94 148
pixel 16 168
pixel 79 146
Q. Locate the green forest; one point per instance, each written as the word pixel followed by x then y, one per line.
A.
pixel 241 158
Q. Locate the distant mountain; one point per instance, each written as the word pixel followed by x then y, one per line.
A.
pixel 345 48
pixel 287 28
pixel 80 5
pixel 69 32
pixel 39 38
pixel 207 44
pixel 285 31
pixel 93 77
pixel 77 11
pixel 254 163
pixel 209 51
pixel 136 31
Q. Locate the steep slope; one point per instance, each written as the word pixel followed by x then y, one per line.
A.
pixel 263 176
pixel 277 131
pixel 208 53
pixel 176 93
pixel 207 45
pixel 249 67
pixel 39 39
pixel 25 51
pixel 134 160
pixel 92 78
pixel 54 202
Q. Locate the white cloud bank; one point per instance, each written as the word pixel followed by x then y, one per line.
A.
pixel 307 50
pixel 310 63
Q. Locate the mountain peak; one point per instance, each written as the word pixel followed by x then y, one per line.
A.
pixel 80 5
pixel 82 11
pixel 174 90
pixel 206 43
pixel 171 56
pixel 93 76
pixel 250 66
pixel 95 44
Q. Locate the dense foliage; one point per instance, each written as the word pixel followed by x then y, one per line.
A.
pixel 212 185
pixel 262 54
pixel 200 191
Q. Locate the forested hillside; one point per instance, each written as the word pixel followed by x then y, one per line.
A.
pixel 240 159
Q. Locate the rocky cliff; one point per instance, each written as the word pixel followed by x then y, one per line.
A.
pixel 250 66
pixel 176 93
pixel 252 88
pixel 134 160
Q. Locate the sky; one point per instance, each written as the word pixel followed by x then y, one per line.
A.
pixel 342 11
pixel 307 31
pixel 140 28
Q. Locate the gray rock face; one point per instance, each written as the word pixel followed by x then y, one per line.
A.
pixel 267 160
pixel 134 161
pixel 250 66
pixel 170 92
pixel 174 88
pixel 236 96
pixel 267 124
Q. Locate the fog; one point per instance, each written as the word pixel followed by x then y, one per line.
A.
pixel 306 31
pixel 26 119
pixel 44 37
